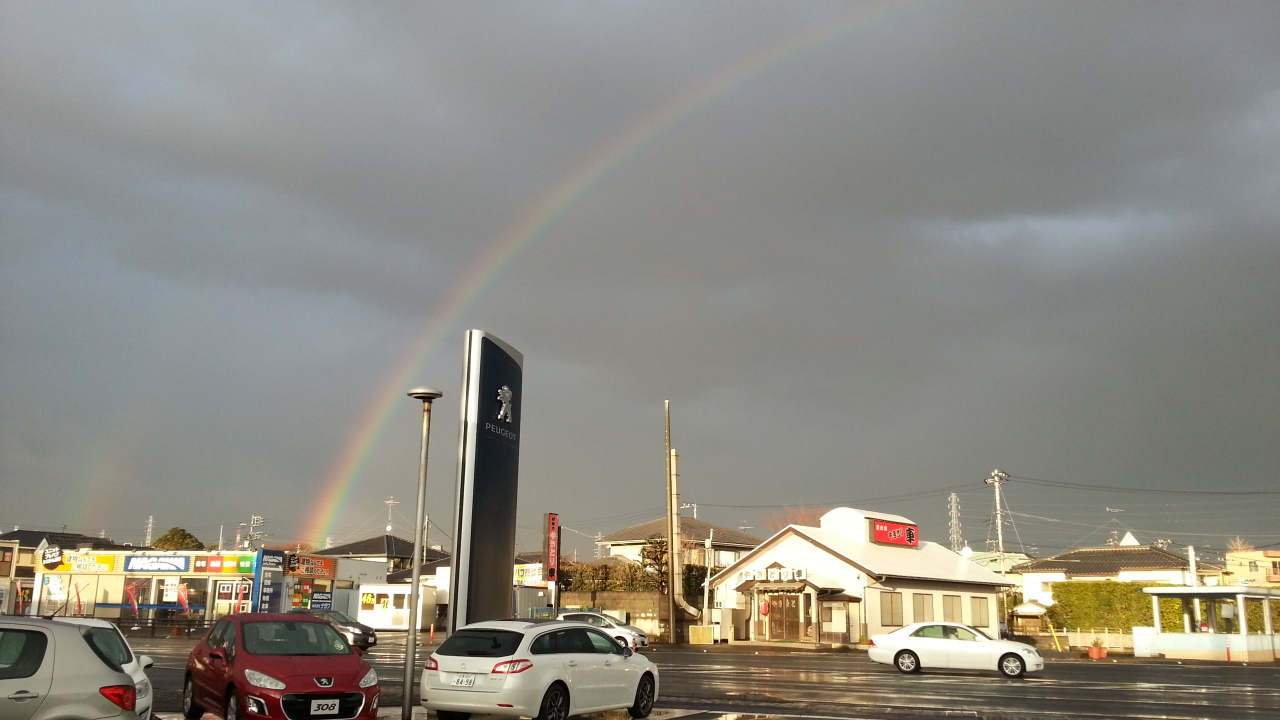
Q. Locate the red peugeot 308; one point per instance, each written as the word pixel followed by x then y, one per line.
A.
pixel 286 666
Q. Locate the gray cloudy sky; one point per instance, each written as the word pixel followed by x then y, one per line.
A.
pixel 869 252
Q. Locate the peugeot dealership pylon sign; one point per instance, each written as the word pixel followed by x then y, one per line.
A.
pixel 484 542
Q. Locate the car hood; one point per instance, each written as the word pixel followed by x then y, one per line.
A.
pixel 286 667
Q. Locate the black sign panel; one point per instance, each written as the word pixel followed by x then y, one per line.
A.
pixel 488 471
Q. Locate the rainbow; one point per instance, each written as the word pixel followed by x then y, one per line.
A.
pixel 531 225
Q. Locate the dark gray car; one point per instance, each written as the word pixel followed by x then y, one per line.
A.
pixel 54 669
pixel 357 633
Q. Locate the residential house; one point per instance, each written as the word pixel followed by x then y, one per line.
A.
pixel 727 545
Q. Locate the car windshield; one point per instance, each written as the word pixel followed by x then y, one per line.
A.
pixel 339 616
pixel 481 643
pixel 279 637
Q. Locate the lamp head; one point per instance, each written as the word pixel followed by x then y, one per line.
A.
pixel 425 394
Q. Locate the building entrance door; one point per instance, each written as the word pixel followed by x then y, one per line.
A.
pixel 784 617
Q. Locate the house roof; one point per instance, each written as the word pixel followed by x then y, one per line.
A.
pixel 381 546
pixel 928 561
pixel 425 569
pixel 430 568
pixel 690 529
pixel 32 538
pixel 1110 560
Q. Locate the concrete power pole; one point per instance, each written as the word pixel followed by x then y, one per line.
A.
pixel 671 538
pixel 997 478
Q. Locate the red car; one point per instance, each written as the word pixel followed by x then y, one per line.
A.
pixel 285 666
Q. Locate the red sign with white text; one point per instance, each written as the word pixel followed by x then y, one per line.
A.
pixel 896 533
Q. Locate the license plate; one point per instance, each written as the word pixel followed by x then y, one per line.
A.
pixel 324 707
pixel 464 680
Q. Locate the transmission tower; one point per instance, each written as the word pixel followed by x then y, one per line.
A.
pixel 151 525
pixel 953 508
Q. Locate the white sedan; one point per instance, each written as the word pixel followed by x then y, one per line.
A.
pixel 543 669
pixel 954 646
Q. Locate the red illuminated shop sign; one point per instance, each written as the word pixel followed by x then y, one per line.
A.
pixel 896 533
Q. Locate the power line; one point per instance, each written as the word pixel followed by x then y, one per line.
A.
pixel 920 495
pixel 1137 491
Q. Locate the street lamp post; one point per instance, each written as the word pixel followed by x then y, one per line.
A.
pixel 426 395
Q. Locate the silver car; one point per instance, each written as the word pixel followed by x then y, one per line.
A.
pixel 53 669
pixel 107 638
pixel 630 635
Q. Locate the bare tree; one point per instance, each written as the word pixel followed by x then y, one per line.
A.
pixel 1238 544
pixel 807 515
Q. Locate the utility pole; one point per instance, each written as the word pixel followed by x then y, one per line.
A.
pixel 255 521
pixel 997 478
pixel 953 508
pixel 671 538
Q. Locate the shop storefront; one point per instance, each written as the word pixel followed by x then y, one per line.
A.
pixel 145 586
pixel 859 573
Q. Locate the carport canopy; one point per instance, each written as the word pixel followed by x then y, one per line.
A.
pixel 1214 593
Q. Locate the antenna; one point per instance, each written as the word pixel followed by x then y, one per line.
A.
pixel 390 502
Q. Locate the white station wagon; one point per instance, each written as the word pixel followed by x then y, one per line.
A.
pixel 543 669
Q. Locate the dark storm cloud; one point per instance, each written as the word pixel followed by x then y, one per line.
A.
pixel 955 236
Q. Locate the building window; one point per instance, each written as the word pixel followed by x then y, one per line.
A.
pixel 952 608
pixel 890 609
pixel 980 616
pixel 922 607
pixel 1253 566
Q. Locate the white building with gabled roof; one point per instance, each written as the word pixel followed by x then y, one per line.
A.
pixel 858 573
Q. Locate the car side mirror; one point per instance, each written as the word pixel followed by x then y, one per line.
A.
pixel 145 661
pixel 626 651
pixel 217 655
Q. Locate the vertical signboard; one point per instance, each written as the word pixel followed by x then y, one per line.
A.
pixel 484 543
pixel 551 548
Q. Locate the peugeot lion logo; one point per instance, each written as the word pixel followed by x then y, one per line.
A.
pixel 324 682
pixel 504 397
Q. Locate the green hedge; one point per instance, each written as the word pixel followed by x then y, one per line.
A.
pixel 1110 604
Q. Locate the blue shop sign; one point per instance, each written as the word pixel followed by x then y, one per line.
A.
pixel 157 563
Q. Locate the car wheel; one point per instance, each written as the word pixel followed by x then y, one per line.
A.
pixel 555 704
pixel 452 715
pixel 1012 666
pixel 233 705
pixel 906 661
pixel 190 709
pixel 624 642
pixel 644 699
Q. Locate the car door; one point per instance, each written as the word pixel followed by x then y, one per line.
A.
pixel 26 671
pixel 969 651
pixel 588 675
pixel 619 677
pixel 212 663
pixel 929 643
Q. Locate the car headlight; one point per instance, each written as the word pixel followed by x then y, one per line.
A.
pixel 370 679
pixel 262 680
